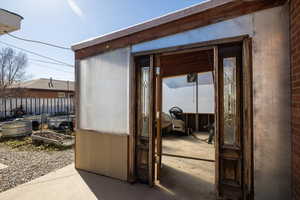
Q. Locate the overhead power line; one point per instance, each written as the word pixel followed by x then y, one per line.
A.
pixel 52 68
pixel 36 41
pixel 47 62
pixel 37 54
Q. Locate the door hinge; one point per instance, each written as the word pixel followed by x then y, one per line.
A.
pixel 157 71
pixel 157 159
pixel 157 115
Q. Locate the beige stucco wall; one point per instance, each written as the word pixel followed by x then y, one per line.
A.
pixel 271 99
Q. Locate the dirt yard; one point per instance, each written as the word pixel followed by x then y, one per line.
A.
pixel 187 178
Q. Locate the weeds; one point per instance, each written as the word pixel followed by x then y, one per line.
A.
pixel 26 144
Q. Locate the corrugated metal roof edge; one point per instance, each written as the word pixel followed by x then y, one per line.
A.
pixel 12 13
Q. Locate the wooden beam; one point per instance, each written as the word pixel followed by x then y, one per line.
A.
pixel 209 16
pixel 187 157
pixel 192 62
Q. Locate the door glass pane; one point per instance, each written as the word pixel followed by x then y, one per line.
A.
pixel 145 96
pixel 229 93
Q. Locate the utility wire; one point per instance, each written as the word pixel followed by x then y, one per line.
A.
pixel 52 68
pixel 47 62
pixel 31 52
pixel 36 41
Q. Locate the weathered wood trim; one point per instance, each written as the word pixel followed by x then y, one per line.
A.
pixel 77 103
pixel 190 47
pixel 248 119
pixel 187 62
pixel 187 157
pixel 151 23
pixel 158 114
pixel 188 50
pixel 230 154
pixel 132 120
pixel 217 135
pixel 206 17
pixel 151 123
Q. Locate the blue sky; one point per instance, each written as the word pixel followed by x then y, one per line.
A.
pixel 65 22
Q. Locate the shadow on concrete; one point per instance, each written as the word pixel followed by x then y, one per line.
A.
pixel 199 138
pixel 111 189
pixel 186 186
pixel 174 185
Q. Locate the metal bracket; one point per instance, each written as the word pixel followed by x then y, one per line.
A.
pixel 157 71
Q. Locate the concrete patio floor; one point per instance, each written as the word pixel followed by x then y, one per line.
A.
pixel 182 179
pixel 69 183
pixel 186 178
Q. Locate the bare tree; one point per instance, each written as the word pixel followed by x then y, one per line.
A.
pixel 12 68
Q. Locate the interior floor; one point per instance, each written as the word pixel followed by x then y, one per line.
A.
pixel 188 178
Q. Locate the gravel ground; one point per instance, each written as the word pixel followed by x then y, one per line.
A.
pixel 24 166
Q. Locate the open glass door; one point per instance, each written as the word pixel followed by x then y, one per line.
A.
pixel 145 122
pixel 229 122
pixel 158 111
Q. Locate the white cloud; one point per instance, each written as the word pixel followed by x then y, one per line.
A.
pixel 76 9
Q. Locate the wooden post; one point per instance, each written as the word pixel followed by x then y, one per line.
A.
pixel 158 111
pixel 52 109
pixel 31 110
pixel 197 114
pixel 57 105
pixel 21 102
pixel 16 100
pixel 47 108
pixel 43 106
pixel 10 102
pixel 4 107
pixel 39 105
pixel 35 106
pixel 26 106
pixel 68 105
pixel 62 104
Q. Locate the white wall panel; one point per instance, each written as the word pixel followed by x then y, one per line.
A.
pixel 104 92
pixel 185 98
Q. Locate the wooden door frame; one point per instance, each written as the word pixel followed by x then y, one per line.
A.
pixel 134 125
pixel 158 114
pixel 247 76
pixel 230 158
pixel 216 120
pixel 247 102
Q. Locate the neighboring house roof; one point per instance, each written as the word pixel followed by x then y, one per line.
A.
pixel 205 13
pixel 44 84
pixel 9 21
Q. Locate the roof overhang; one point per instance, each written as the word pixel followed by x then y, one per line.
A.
pixel 203 14
pixel 9 21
